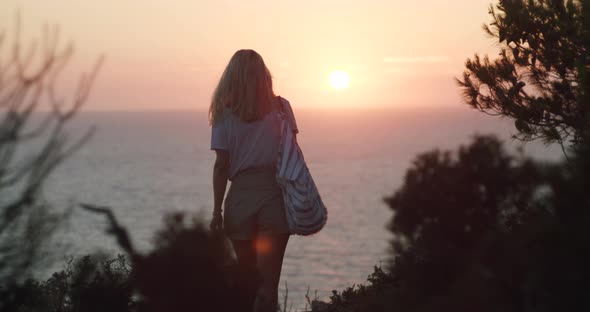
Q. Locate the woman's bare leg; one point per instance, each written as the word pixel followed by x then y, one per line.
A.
pixel 270 251
pixel 247 281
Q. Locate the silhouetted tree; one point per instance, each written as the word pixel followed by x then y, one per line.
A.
pixel 479 229
pixel 459 198
pixel 32 143
pixel 541 78
pixel 450 206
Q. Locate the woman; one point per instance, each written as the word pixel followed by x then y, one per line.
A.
pixel 245 137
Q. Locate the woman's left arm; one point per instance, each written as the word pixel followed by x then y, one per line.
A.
pixel 220 177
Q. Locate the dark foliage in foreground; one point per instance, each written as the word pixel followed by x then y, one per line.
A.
pixel 477 236
pixel 462 196
pixel 190 269
pixel 85 284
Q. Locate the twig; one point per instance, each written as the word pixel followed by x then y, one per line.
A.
pixel 116 229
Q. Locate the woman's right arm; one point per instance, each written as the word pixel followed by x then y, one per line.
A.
pixel 220 177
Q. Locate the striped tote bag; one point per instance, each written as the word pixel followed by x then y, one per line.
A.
pixel 306 213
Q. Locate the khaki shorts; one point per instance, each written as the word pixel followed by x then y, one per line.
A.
pixel 254 205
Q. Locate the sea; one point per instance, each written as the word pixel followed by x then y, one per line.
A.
pixel 145 165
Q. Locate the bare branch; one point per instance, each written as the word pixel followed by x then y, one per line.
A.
pixel 28 78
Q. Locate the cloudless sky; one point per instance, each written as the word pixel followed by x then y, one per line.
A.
pixel 170 54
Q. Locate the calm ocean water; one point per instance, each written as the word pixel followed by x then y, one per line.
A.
pixel 145 164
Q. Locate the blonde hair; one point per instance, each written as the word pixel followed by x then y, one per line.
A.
pixel 245 88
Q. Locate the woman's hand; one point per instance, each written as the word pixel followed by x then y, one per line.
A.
pixel 220 177
pixel 216 223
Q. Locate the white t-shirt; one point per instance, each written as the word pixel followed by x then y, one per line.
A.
pixel 250 144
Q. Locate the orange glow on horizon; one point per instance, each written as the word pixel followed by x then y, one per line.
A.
pixel 397 53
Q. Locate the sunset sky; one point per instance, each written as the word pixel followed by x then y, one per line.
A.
pixel 169 54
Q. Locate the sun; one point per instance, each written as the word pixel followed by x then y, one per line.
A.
pixel 339 79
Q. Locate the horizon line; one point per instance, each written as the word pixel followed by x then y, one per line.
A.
pixel 342 109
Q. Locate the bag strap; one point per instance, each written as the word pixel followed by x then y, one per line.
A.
pixel 281 106
pixel 285 115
